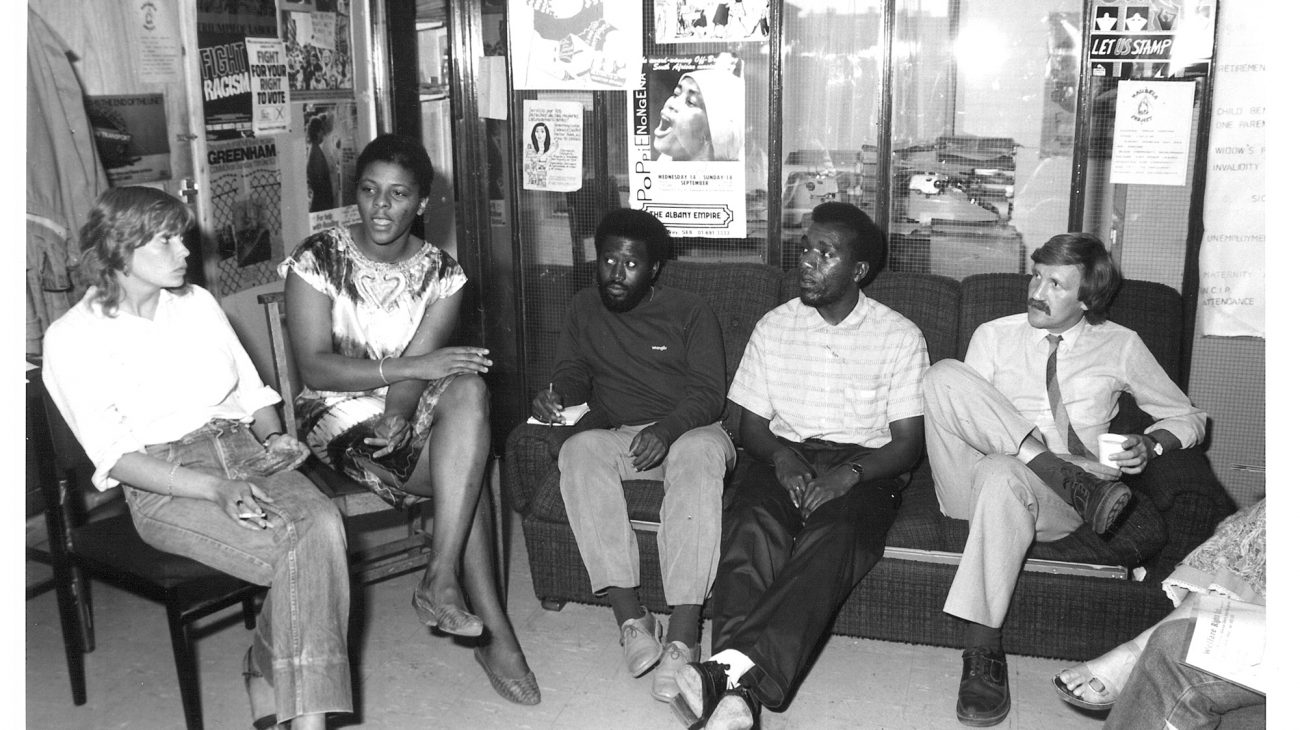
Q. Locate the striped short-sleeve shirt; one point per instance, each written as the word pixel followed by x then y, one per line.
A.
pixel 842 383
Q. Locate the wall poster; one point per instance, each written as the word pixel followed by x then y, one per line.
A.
pixel 687 135
pixel 270 86
pixel 575 44
pixel 331 132
pixel 552 146
pixel 130 133
pixel 245 187
pixel 1231 302
pixel 1151 39
pixel 1153 129
pixel 700 21
pixel 223 63
pixel 318 45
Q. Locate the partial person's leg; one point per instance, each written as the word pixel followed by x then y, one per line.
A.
pixel 450 473
pixel 1012 509
pixel 838 545
pixel 690 532
pixel 499 650
pixel 300 643
pixel 966 418
pixel 1163 692
pixel 593 465
pixel 759 529
pixel 1098 682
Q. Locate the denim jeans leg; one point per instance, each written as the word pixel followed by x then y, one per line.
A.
pixel 1163 692
pixel 301 640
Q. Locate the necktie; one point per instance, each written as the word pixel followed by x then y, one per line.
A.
pixel 1058 409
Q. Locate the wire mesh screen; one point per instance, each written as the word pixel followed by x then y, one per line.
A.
pixel 246 215
pixel 556 229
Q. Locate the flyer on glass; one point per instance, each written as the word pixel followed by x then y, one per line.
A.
pixel 686 150
pixel 552 145
pixel 700 21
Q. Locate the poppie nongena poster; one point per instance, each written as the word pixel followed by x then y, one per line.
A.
pixel 686 147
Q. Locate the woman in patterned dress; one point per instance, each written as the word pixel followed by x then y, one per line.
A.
pixel 371 309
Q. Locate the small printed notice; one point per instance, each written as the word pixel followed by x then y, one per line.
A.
pixel 1229 640
pixel 552 150
pixel 157 43
pixel 1153 126
pixel 270 78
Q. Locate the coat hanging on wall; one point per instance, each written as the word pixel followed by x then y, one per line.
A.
pixel 64 177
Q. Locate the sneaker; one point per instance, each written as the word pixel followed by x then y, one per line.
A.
pixel 1099 501
pixel 983 697
pixel 642 640
pixel 676 655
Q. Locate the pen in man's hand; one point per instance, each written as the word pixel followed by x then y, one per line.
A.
pixel 550 388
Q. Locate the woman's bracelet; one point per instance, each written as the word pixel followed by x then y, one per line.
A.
pixel 171 479
pixel 381 370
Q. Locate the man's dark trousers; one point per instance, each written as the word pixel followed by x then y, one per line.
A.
pixel 781 580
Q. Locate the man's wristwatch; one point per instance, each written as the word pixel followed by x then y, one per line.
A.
pixel 856 468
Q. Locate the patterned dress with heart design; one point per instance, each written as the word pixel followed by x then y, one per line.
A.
pixel 375 310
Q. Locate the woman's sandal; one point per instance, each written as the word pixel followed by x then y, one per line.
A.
pixel 1094 683
pixel 258 703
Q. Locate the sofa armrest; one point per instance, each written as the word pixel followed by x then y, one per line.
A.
pixel 1183 487
pixel 532 452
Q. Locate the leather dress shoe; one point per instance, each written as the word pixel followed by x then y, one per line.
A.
pixel 642 640
pixel 446 617
pixel 700 686
pixel 676 656
pixel 737 710
pixel 983 697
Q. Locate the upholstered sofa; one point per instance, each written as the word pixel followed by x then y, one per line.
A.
pixel 1064 606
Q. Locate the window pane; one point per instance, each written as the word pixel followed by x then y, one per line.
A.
pixel 982 132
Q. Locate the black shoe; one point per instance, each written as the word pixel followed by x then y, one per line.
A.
pixel 737 710
pixel 983 697
pixel 700 685
pixel 1099 501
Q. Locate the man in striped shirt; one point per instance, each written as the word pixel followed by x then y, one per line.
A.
pixel 830 392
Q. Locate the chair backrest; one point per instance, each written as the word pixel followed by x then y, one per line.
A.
pixel 286 371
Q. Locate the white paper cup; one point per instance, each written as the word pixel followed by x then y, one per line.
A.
pixel 1109 444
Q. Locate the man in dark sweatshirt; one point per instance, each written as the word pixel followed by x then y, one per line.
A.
pixel 648 361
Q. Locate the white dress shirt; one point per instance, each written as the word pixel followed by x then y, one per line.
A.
pixel 1094 364
pixel 124 382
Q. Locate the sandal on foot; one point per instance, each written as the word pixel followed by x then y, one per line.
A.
pixel 258 704
pixel 1094 682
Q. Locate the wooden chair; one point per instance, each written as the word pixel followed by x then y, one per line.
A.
pixel 111 549
pixel 353 499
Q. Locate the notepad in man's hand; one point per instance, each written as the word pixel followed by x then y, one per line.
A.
pixel 570 416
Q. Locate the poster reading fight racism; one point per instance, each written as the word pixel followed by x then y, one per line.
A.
pixel 270 77
pixel 687 127
pixel 1151 39
pixel 223 64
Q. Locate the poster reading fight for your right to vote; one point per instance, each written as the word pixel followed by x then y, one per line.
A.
pixel 686 151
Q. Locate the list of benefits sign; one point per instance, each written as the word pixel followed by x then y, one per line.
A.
pixel 1231 299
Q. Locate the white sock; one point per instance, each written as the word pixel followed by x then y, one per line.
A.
pixel 737 664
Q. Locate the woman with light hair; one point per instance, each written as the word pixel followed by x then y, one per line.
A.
pixel 702 120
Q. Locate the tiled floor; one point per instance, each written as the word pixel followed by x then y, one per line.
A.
pixel 410 678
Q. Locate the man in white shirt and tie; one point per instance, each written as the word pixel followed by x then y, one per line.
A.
pixel 1012 439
